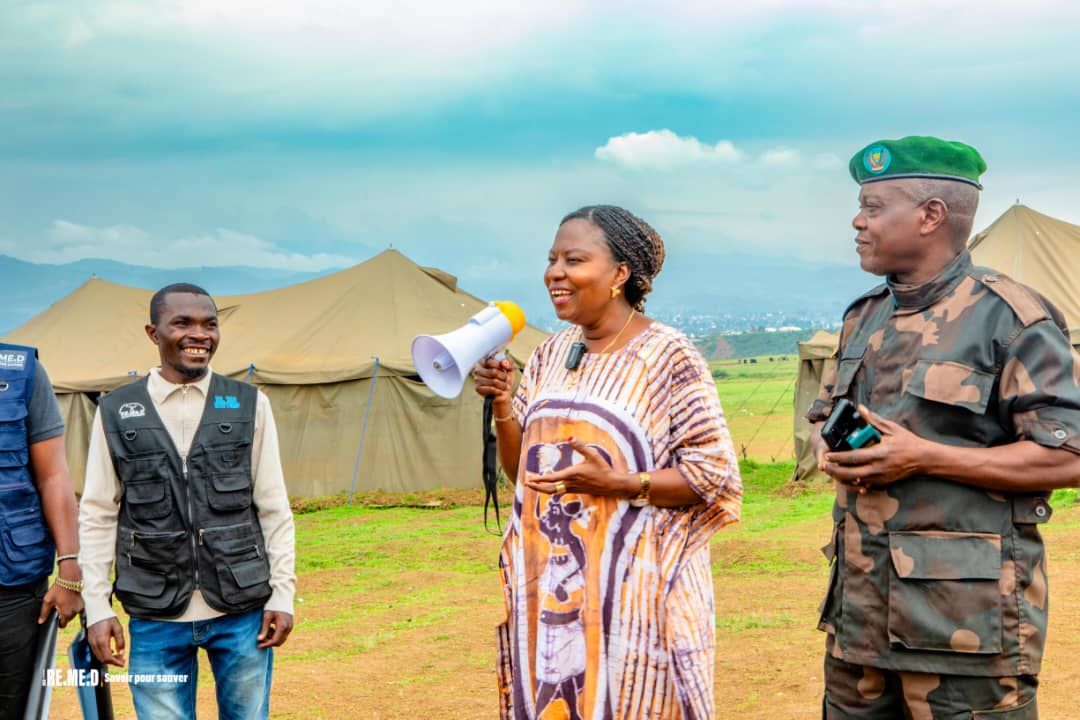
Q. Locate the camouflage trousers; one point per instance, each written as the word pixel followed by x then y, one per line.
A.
pixel 859 692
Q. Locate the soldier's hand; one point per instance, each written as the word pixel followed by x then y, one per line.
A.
pixel 102 636
pixel 895 458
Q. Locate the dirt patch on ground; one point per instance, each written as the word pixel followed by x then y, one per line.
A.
pixel 433 656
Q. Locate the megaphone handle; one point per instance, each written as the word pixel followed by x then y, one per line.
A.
pixel 490 466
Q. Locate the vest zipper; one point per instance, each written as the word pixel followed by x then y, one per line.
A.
pixel 195 542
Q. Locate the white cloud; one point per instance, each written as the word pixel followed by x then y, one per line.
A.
pixel 780 156
pixel 68 241
pixel 664 150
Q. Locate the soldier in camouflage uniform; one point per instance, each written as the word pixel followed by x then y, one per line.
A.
pixel 937 601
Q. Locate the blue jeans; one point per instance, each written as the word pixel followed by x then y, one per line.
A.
pixel 166 648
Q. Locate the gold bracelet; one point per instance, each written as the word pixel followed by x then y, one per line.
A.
pixel 508 418
pixel 642 498
pixel 72 585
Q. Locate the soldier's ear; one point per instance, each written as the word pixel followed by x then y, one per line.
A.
pixel 151 332
pixel 935 213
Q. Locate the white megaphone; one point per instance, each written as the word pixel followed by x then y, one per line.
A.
pixel 444 361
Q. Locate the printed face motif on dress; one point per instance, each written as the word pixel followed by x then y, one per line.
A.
pixel 544 458
pixel 561 653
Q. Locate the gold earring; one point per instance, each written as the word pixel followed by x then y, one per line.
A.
pixel 615 291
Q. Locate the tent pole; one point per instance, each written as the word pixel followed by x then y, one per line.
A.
pixel 363 429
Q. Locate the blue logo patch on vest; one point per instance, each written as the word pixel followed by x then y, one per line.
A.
pixel 12 360
pixel 229 402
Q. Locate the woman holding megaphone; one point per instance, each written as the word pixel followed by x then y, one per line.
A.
pixel 624 470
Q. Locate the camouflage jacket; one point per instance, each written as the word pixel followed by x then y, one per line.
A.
pixel 930 575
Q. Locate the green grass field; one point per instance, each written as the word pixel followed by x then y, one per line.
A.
pixel 758 400
pixel 396 608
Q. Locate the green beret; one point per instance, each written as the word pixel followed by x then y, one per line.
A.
pixel 917 157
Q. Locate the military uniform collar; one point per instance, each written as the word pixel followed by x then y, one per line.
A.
pixel 160 389
pixel 913 298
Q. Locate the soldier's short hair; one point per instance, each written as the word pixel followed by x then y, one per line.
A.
pixel 961 201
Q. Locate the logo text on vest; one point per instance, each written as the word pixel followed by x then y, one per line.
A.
pixel 132 410
pixel 11 360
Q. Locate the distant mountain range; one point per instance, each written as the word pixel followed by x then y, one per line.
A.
pixel 736 291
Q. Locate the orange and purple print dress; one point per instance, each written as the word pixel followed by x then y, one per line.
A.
pixel 610 606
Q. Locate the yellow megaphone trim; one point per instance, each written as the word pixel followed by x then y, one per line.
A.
pixel 513 313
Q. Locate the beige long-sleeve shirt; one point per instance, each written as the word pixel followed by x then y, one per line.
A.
pixel 180 408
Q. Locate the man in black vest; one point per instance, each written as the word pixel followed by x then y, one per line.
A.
pixel 184 491
pixel 37 521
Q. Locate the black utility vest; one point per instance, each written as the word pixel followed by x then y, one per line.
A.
pixel 181 529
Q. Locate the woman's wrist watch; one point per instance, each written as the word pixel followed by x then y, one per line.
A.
pixel 642 498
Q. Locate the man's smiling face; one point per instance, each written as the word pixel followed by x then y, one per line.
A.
pixel 187 336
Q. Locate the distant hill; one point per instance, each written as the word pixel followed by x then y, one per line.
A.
pixel 698 294
pixel 28 288
pixel 752 344
pixel 740 283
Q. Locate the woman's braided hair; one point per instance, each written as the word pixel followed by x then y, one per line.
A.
pixel 632 241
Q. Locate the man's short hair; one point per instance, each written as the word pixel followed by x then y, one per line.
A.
pixel 158 300
pixel 961 200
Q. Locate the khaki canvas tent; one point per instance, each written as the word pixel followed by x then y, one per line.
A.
pixel 314 349
pixel 1036 249
pixel 1039 251
pixel 815 357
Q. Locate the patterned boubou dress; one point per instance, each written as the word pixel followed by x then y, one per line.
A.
pixel 609 606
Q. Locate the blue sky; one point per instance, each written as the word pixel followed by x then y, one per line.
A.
pixel 312 135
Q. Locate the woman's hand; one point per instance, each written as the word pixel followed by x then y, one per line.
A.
pixel 495 378
pixel 592 476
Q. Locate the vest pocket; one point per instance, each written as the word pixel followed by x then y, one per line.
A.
pixel 151 578
pixel 240 564
pixel 244 575
pixel 148 499
pixel 14 452
pixel 234 457
pixel 147 584
pixel 944 591
pixel 229 491
pixel 26 539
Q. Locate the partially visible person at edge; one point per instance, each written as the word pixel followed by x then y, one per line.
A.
pixel 184 490
pixel 37 521
pixel 937 604
pixel 624 470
